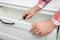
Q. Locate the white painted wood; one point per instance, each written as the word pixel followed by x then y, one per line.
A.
pixel 15 14
pixel 10 31
pixel 52 6
pixel 19 24
pixel 49 12
pixel 4 36
pixel 18 33
pixel 28 3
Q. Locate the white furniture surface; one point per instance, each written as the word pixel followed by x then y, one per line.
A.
pixel 14 9
pixel 17 32
pixel 52 6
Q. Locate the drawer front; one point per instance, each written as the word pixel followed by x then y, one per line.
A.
pixel 4 36
pixel 18 32
pixel 23 34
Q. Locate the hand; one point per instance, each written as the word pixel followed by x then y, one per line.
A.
pixel 42 28
pixel 28 14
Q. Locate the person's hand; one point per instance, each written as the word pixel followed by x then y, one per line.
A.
pixel 42 28
pixel 28 14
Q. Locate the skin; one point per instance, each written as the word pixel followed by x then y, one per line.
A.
pixel 31 12
pixel 39 28
pixel 42 28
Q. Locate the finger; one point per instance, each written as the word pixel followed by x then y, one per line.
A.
pixel 40 35
pixel 33 27
pixel 37 33
pixel 24 14
pixel 28 17
pixel 33 24
pixel 34 31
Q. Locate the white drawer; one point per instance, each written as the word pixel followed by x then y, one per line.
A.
pixel 18 32
pixel 22 34
pixel 4 36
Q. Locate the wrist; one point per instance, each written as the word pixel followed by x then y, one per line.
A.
pixel 55 21
pixel 51 22
pixel 36 8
